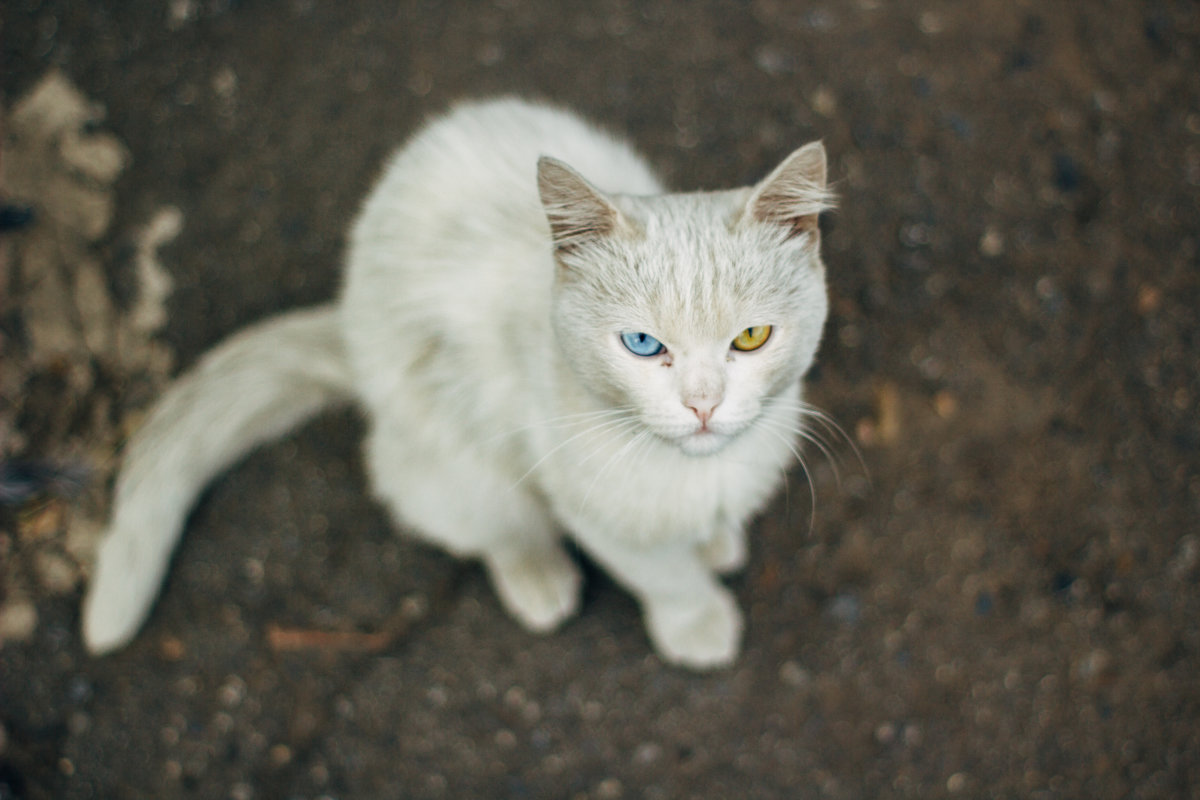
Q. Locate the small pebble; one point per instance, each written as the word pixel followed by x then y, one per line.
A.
pixel 1149 299
pixel 1094 665
pixel 187 686
pixel 280 755
pixel 866 432
pixel 793 674
pixel 224 83
pixel 514 697
pixel 413 607
pixel 945 404
pixel 171 648
pixel 991 244
pixel 647 753
pixel 56 573
pixel 179 13
pixel 490 54
pixel 824 102
pixel 931 23
pixel 773 60
pixel 232 692
pixel 610 789
pixel 846 608
pixel 915 235
pixel 254 570
pixel 18 621
pixel 887 400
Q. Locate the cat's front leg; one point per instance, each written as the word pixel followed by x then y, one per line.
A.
pixel 692 619
pixel 725 551
pixel 424 483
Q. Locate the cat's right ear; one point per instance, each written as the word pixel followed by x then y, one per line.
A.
pixel 577 211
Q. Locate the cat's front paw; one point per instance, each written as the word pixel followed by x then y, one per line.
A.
pixel 539 588
pixel 703 635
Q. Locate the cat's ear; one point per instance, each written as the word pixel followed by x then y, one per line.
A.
pixel 795 193
pixel 577 211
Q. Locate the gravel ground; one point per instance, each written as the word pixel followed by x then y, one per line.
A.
pixel 1000 599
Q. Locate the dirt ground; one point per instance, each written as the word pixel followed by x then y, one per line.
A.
pixel 1000 600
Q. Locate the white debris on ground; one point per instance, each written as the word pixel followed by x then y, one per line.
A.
pixel 64 328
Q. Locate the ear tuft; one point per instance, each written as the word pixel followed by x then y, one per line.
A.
pixel 795 193
pixel 576 210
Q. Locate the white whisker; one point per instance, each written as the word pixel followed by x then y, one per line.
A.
pixel 564 421
pixel 808 479
pixel 819 428
pixel 624 427
pixel 640 437
pixel 647 447
pixel 813 438
pixel 605 426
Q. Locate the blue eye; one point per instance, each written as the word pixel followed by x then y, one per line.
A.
pixel 642 344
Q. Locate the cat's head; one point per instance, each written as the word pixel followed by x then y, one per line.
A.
pixel 691 310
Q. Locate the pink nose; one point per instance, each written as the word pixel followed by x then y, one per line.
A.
pixel 703 409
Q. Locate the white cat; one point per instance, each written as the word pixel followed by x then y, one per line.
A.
pixel 538 354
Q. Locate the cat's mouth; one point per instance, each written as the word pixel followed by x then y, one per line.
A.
pixel 699 440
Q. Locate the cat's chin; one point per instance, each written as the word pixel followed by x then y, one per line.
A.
pixel 703 443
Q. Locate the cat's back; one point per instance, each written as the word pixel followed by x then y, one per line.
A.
pixel 501 140
pixel 470 176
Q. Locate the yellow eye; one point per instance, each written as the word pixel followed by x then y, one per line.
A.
pixel 752 338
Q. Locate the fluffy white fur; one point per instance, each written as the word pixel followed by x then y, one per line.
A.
pixel 487 287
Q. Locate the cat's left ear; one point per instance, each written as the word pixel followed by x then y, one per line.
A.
pixel 577 211
pixel 794 194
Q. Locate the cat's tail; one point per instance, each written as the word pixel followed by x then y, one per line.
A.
pixel 252 387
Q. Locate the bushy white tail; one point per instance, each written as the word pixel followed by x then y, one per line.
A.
pixel 254 386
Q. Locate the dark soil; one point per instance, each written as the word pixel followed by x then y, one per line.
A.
pixel 1002 600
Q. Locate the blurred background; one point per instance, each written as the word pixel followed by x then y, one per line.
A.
pixel 999 599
